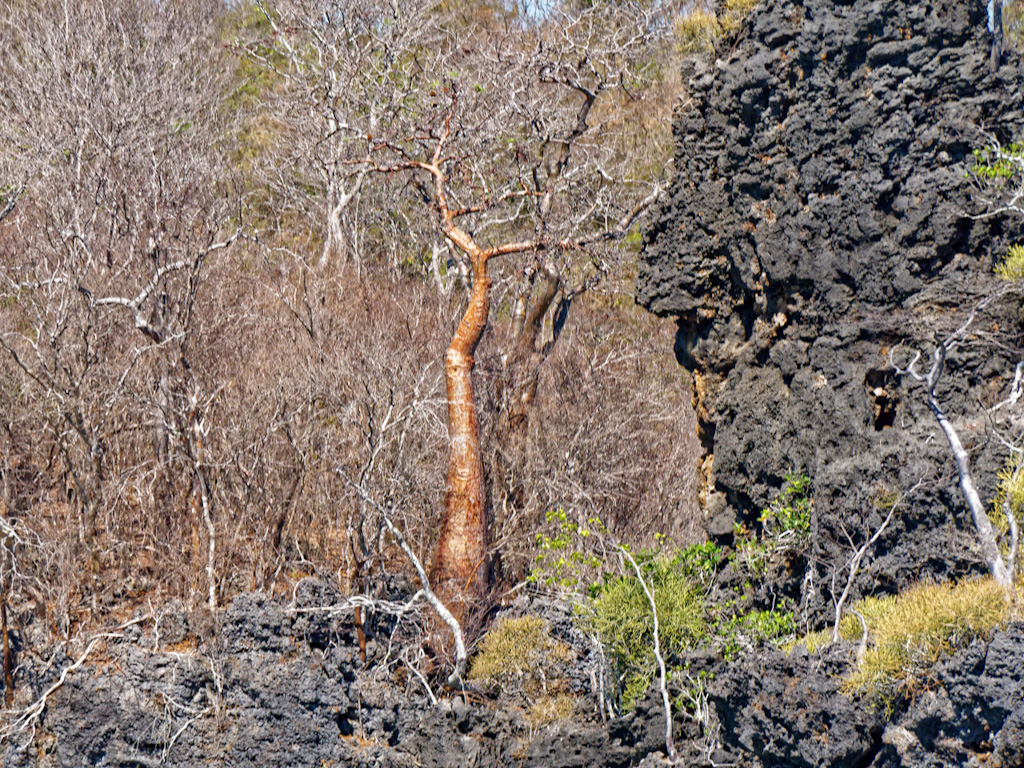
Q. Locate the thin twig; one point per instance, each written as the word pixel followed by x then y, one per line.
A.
pixel 859 555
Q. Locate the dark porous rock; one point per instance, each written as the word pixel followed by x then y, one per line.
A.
pixel 972 714
pixel 817 222
pixel 789 711
pixel 276 683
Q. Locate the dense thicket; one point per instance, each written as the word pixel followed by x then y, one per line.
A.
pixel 225 295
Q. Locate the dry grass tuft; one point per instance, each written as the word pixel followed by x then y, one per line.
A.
pixel 907 633
pixel 519 650
pixel 700 30
pixel 552 709
pixel 697 32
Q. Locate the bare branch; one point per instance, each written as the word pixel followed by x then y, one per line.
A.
pixel 455 679
pixel 29 716
pixel 982 525
pixel 854 564
pixel 666 703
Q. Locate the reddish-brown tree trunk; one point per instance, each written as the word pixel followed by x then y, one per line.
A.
pixel 460 565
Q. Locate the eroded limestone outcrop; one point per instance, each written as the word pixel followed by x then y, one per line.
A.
pixel 817 220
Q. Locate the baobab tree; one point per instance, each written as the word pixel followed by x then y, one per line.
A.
pixel 503 135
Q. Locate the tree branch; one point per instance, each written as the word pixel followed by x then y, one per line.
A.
pixel 663 682
pixel 455 679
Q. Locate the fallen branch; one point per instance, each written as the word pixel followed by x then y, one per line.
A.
pixel 29 716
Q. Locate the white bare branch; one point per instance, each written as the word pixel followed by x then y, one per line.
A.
pixel 461 657
pixel 27 718
pixel 854 564
pixel 982 524
pixel 663 680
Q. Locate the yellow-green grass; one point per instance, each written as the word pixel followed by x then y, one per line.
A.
pixel 907 633
pixel 515 649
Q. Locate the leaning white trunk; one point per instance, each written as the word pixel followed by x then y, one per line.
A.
pixel 982 525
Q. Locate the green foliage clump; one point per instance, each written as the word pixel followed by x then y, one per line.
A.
pixel 908 632
pixel 1012 267
pixel 699 562
pixel 995 166
pixel 770 625
pixel 789 516
pixel 995 162
pixel 565 557
pixel 786 524
pixel 735 632
pixel 620 615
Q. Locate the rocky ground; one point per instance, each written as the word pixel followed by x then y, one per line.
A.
pixel 271 682
pixel 819 222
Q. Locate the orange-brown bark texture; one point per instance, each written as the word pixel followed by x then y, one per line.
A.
pixel 461 563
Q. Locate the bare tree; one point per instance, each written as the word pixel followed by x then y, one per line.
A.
pixel 499 133
pixel 344 71
pixel 182 394
pixel 546 200
pixel 113 116
pixel 1002 570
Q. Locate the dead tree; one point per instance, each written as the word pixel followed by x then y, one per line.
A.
pixel 1002 570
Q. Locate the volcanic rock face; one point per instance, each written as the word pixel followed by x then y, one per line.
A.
pixel 817 222
pixel 779 710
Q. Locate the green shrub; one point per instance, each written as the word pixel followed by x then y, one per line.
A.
pixel 698 562
pixel 788 517
pixel 786 525
pixel 769 626
pixel 996 163
pixel 620 615
pixel 733 633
